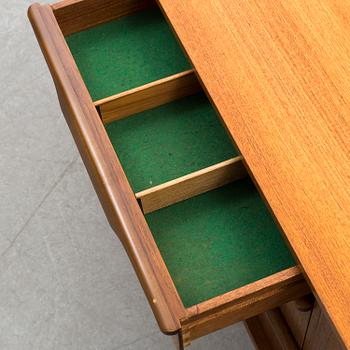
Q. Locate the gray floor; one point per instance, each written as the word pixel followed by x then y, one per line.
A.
pixel 65 281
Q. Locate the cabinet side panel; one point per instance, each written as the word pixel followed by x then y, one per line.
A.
pixel 321 334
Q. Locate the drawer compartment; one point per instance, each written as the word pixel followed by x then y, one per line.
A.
pixel 202 242
pixel 218 241
pixel 169 141
pixel 222 250
pixel 126 53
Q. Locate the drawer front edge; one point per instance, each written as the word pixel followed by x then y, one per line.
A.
pixel 106 173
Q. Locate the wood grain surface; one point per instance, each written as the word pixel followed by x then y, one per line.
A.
pixel 76 15
pixel 191 185
pixel 124 213
pixel 242 303
pixel 106 173
pixel 148 96
pixel 278 73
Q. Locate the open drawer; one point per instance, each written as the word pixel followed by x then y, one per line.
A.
pixel 204 246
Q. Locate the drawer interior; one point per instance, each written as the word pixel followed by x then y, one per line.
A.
pixel 126 53
pixel 208 221
pixel 169 141
pixel 219 241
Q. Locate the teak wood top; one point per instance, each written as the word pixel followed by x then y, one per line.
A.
pixel 278 73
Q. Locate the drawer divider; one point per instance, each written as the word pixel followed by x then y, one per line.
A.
pixel 190 185
pixel 148 96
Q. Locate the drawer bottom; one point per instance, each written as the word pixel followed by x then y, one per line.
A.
pixel 218 242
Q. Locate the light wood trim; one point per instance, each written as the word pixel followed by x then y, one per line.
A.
pixel 270 331
pixel 191 185
pixel 148 96
pixel 243 303
pixel 77 15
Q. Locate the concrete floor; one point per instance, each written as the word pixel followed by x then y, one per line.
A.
pixel 65 281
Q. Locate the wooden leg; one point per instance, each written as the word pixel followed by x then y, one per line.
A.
pixel 270 331
pixel 178 341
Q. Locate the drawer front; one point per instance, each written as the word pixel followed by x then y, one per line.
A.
pixel 173 187
pixel 243 303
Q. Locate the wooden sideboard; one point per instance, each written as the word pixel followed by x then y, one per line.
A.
pixel 221 159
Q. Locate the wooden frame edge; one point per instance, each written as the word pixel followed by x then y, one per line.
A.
pixel 106 173
pixel 191 185
pixel 148 96
pixel 77 15
pixel 242 303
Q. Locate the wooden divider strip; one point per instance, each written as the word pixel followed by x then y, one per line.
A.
pixel 191 185
pixel 148 96
pixel 77 15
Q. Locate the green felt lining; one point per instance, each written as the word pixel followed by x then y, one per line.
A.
pixel 218 241
pixel 126 53
pixel 170 141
